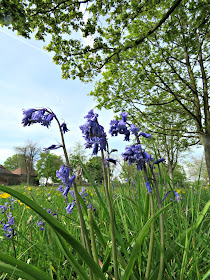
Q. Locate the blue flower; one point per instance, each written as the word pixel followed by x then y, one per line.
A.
pixel 124 116
pixel 42 116
pixel 94 133
pixel 148 187
pixel 64 127
pixel 40 224
pixel 120 127
pixel 135 154
pixel 134 129
pixel 146 135
pixel 159 160
pixel 52 147
pixel 9 231
pixel 70 207
pixel 177 196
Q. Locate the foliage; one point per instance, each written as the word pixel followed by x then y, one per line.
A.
pixel 47 165
pixel 64 19
pixel 78 153
pixel 29 152
pixel 14 162
pixel 163 82
pixel 94 168
pixel 180 177
pixel 128 172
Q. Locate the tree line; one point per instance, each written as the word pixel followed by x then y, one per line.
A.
pixel 152 57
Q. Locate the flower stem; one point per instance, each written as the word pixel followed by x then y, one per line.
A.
pixel 111 212
pixel 149 260
pixel 84 233
pixel 162 242
pixel 92 236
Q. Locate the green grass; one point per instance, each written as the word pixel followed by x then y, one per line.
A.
pixel 189 260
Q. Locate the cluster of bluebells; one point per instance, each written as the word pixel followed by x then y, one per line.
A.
pixel 8 226
pixel 83 194
pixel 93 133
pixel 63 174
pixel 71 205
pixel 44 117
pixel 3 208
pixel 41 223
pixel 120 127
pixel 135 154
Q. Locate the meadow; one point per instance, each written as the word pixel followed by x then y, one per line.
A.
pixel 186 247
pixel 142 230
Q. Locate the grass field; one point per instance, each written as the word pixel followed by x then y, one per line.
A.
pixel 33 241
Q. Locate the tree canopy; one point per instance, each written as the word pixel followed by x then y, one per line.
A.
pixel 151 54
pixel 109 23
pixel 14 162
pixel 47 165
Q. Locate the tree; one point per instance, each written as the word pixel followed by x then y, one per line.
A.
pixel 14 162
pixel 166 75
pixel 78 153
pixel 47 165
pixel 29 153
pixel 128 172
pixel 151 55
pixel 94 168
pixel 180 177
pixel 62 19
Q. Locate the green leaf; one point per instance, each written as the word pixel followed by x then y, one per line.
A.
pixel 28 270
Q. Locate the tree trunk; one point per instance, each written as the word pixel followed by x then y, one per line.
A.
pixel 206 144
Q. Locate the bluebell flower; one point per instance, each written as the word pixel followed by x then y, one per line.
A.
pixel 52 147
pixel 177 196
pixel 9 231
pixel 4 207
pixel 72 193
pixel 146 135
pixel 134 129
pixel 124 116
pixel 120 127
pixel 135 154
pixel 83 192
pixel 60 189
pixel 64 127
pixel 42 116
pixel 148 187
pixel 159 160
pixel 63 173
pixel 41 225
pixel 70 207
pixel 94 133
pixel 95 148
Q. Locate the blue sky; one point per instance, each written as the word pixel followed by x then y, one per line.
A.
pixel 29 79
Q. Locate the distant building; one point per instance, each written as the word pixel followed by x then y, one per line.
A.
pixel 15 177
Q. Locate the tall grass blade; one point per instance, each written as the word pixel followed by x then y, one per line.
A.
pixel 137 245
pixel 28 269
